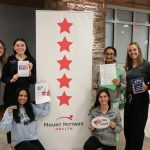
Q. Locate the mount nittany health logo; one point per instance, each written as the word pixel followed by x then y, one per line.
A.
pixel 64 123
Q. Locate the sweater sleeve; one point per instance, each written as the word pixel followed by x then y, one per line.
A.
pixel 32 77
pixel 148 74
pixel 122 78
pixel 41 110
pixel 118 123
pixel 6 122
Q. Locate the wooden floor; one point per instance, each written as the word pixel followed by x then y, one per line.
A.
pixel 146 146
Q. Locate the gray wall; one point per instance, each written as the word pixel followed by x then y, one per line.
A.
pixel 17 22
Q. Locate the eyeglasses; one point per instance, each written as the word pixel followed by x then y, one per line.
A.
pixel 109 54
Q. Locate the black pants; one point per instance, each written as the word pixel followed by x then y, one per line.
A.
pixel 30 145
pixel 135 117
pixel 93 144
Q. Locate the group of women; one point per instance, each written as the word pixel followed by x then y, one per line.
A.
pixel 19 119
pixel 136 104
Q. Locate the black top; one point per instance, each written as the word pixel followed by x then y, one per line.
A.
pixel 141 71
pixel 10 68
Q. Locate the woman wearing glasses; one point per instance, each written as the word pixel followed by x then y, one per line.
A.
pixel 110 55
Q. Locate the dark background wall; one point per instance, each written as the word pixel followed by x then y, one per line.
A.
pixel 16 22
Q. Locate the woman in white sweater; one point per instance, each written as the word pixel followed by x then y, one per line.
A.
pixel 21 120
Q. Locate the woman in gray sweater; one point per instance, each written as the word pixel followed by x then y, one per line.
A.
pixel 105 138
pixel 110 56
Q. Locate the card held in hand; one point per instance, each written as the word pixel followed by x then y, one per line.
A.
pixel 137 85
pixel 23 68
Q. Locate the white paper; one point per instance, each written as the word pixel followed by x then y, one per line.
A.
pixel 41 93
pixel 107 73
pixel 23 68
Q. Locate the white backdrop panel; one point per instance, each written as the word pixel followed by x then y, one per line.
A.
pixel 65 128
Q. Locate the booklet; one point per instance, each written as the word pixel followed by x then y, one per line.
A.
pixel 137 85
pixel 23 68
pixel 41 93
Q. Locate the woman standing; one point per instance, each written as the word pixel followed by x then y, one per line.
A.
pixel 22 121
pixel 110 55
pixel 10 73
pixel 3 56
pixel 105 138
pixel 3 59
pixel 136 106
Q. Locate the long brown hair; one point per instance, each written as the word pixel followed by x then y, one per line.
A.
pixel 3 58
pixel 128 63
pixel 97 103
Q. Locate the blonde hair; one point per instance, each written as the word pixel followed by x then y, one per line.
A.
pixel 3 58
pixel 128 63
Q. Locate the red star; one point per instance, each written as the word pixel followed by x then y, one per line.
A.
pixel 65 26
pixel 64 63
pixel 64 81
pixel 64 45
pixel 64 99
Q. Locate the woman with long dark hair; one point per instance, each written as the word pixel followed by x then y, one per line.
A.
pixel 11 77
pixel 105 138
pixel 21 120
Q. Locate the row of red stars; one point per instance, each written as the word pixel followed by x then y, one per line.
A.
pixel 64 62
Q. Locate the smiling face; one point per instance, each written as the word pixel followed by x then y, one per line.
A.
pixel 1 49
pixel 22 98
pixel 103 98
pixel 109 56
pixel 133 52
pixel 20 47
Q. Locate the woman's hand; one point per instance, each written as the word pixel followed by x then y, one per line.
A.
pixel 112 125
pixel 90 127
pixel 30 68
pixel 14 78
pixel 10 109
pixel 48 93
pixel 95 86
pixel 144 87
pixel 116 82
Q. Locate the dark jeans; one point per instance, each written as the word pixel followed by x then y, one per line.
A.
pixel 9 137
pixel 93 144
pixel 29 145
